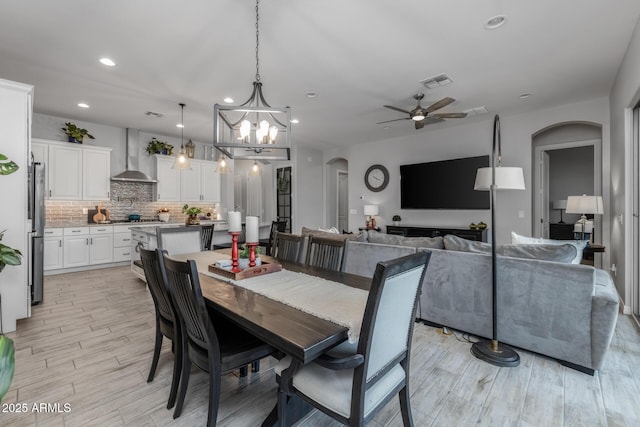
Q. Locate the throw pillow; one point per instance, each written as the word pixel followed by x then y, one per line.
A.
pixel 517 239
pixel 455 243
pixel 360 237
pixel 414 242
pixel 558 253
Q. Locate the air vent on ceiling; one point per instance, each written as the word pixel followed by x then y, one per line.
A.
pixel 436 81
pixel 152 114
pixel 475 111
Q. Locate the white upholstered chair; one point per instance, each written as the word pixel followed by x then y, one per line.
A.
pixel 352 386
pixel 180 240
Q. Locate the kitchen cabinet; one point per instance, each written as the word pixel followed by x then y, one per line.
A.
pixel 201 183
pixel 121 243
pixel 168 179
pixel 53 251
pixel 100 245
pixel 74 172
pixel 96 173
pixel 76 248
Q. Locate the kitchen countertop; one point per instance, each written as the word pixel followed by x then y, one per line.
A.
pixel 152 228
pixel 68 224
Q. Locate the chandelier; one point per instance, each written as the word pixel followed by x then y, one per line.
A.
pixel 253 130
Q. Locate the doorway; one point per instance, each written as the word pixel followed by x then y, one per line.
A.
pixel 342 211
pixel 283 196
pixel 635 227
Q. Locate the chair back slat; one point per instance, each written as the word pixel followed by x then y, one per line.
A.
pixel 288 247
pixel 159 289
pixel 180 240
pixel 207 236
pixel 187 295
pixel 325 253
pixel 276 227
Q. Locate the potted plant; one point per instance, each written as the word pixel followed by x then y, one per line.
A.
pixel 243 256
pixel 8 256
pixel 396 219
pixel 163 214
pixel 192 214
pixel 75 134
pixel 155 146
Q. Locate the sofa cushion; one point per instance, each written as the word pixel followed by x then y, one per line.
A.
pixel 455 243
pixel 517 239
pixel 414 242
pixel 558 253
pixel 360 237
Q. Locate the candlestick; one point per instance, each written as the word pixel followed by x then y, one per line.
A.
pixel 234 252
pixel 252 254
pixel 251 224
pixel 235 221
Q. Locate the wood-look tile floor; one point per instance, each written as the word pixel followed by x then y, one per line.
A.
pixel 89 344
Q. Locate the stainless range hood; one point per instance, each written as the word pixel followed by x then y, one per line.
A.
pixel 132 175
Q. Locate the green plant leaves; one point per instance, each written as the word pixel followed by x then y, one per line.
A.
pixel 7 166
pixel 7 364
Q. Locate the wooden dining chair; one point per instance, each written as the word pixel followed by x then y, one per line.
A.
pixel 166 317
pixel 276 227
pixel 209 340
pixel 288 247
pixel 353 387
pixel 207 236
pixel 325 253
pixel 180 240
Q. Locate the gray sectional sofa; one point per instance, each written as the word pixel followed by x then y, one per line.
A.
pixel 558 309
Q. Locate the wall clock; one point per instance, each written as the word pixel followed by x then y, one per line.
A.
pixel 376 178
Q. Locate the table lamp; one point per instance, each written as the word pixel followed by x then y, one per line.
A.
pixel 584 205
pixel 560 205
pixel 371 211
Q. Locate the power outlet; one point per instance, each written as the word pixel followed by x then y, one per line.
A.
pixel 85 210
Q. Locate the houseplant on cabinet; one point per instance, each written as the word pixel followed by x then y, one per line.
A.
pixel 192 215
pixel 156 146
pixel 75 134
pixel 396 219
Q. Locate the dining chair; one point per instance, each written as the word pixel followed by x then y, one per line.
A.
pixel 207 236
pixel 166 317
pixel 325 253
pixel 353 387
pixel 288 247
pixel 276 227
pixel 209 340
pixel 180 240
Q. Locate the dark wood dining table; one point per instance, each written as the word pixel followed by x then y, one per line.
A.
pixel 300 335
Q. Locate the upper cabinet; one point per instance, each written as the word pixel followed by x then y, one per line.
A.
pixel 74 172
pixel 201 183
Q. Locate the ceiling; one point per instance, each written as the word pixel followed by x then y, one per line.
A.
pixel 356 55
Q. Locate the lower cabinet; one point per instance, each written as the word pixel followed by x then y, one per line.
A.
pixel 83 246
pixel 53 251
pixel 76 250
pixel 101 249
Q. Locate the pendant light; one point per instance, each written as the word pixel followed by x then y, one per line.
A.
pixel 182 160
pixel 253 130
pixel 223 165
pixel 255 169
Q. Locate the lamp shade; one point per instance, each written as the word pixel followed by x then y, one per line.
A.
pixel 371 210
pixel 560 204
pixel 507 178
pixel 585 205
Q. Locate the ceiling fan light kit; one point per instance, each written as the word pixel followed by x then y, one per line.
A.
pixel 253 130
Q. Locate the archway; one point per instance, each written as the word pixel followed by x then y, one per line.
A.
pixel 337 193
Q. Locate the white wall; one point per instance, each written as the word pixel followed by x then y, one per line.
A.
pixel 624 95
pixel 308 195
pixel 15 111
pixel 465 140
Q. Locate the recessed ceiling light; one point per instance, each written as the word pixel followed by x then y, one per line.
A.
pixel 108 62
pixel 295 121
pixel 180 125
pixel 525 95
pixel 83 105
pixel 228 100
pixel 312 95
pixel 495 22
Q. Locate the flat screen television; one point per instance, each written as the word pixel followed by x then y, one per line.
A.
pixel 446 184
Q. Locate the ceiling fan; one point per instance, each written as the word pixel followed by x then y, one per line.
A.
pixel 426 116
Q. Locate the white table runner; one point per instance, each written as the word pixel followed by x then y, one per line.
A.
pixel 322 298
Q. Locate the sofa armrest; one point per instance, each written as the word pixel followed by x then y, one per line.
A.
pixel 604 315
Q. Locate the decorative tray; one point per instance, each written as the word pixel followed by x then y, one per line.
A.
pixel 258 270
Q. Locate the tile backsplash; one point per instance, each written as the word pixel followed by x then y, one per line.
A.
pixel 126 198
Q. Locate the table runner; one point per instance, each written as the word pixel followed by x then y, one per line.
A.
pixel 322 298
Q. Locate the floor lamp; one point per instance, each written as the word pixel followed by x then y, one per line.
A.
pixel 492 179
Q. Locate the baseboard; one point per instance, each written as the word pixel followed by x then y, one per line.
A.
pixel 86 268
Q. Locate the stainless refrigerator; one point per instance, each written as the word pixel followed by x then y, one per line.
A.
pixel 36 241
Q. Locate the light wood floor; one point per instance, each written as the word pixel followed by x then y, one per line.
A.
pixel 89 345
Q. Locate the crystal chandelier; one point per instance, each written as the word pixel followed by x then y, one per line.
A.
pixel 253 130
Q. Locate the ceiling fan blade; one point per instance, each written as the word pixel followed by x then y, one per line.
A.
pixel 395 120
pixel 440 104
pixel 397 109
pixel 449 115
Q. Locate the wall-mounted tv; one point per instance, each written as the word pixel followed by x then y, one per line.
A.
pixel 446 184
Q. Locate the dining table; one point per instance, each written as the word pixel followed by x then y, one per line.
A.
pixel 294 332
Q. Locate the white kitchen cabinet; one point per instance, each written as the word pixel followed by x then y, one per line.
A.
pixel 53 249
pixel 100 249
pixel 64 173
pixel 168 187
pixel 190 183
pixel 209 182
pixel 76 250
pixel 96 173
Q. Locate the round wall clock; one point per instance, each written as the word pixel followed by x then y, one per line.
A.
pixel 376 178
